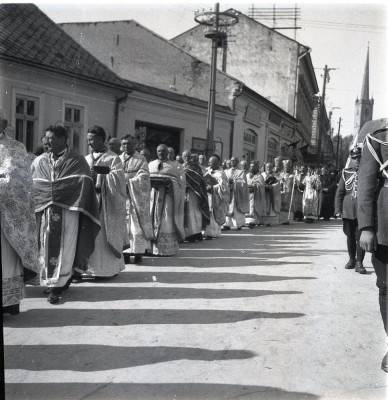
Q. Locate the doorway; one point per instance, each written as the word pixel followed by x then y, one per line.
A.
pixel 152 135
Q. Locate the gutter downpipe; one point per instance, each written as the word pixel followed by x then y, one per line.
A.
pixel 237 93
pixel 117 110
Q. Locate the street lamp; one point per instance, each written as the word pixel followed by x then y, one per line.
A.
pixel 216 23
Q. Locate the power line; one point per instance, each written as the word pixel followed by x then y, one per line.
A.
pixel 344 24
pixel 237 65
pixel 344 29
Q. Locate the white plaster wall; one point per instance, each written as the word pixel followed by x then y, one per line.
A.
pixel 53 91
pixel 190 118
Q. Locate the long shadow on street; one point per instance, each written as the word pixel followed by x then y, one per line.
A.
pixel 112 293
pixel 45 318
pixel 147 391
pixel 198 277
pixel 87 358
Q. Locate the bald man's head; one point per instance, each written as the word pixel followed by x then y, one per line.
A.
pixel 171 153
pixel 214 162
pixel 114 145
pixel 146 154
pixel 162 152
pixel 186 155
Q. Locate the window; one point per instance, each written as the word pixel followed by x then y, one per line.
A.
pixel 272 151
pixel 74 123
pixel 26 120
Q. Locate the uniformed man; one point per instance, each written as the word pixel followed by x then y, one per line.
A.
pixel 346 207
pixel 373 212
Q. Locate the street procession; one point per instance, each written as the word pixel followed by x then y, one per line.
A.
pixel 182 218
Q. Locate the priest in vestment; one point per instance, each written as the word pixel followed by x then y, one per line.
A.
pixel 312 185
pixel 328 192
pixel 286 178
pixel 167 204
pixel 272 196
pixel 256 188
pixel 66 212
pixel 239 196
pixel 217 187
pixel 18 239
pixel 107 171
pixel 299 175
pixel 197 215
pixel 138 188
pixel 179 165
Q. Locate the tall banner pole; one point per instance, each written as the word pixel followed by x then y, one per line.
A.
pixel 292 197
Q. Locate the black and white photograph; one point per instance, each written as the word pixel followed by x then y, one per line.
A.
pixel 194 200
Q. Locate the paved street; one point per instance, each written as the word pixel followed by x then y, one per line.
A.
pixel 267 313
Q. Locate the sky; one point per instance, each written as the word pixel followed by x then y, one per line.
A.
pixel 338 34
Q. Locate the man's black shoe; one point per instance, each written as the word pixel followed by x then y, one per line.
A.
pixel 53 298
pixel 350 264
pixel 360 268
pixel 76 276
pixel 68 283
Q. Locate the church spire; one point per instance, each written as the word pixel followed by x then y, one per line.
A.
pixel 365 82
pixel 364 105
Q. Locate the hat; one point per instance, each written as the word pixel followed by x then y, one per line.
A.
pixel 355 152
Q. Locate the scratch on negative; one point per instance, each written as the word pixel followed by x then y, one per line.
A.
pixel 95 391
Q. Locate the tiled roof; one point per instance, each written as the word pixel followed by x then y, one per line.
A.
pixel 29 36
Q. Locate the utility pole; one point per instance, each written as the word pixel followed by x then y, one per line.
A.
pixel 216 23
pixel 321 112
pixel 338 140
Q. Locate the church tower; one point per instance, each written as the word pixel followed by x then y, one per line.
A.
pixel 364 105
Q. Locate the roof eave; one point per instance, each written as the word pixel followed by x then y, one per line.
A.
pixel 126 87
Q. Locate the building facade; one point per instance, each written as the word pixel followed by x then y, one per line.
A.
pixel 271 64
pixel 156 66
pixel 46 78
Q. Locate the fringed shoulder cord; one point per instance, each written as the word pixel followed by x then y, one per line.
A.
pixel 368 139
pixel 350 180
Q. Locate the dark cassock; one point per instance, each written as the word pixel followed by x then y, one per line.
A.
pixel 167 207
pixel 67 214
pixel 197 215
